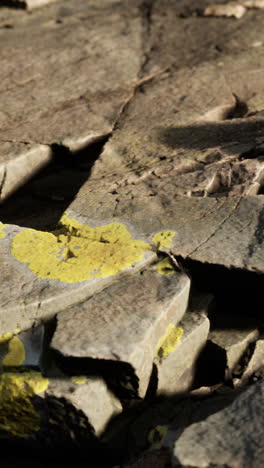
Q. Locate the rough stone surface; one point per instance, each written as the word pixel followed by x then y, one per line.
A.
pixel 231 437
pixel 25 298
pixel 90 395
pixel 19 162
pixel 234 342
pixel 227 232
pixel 176 371
pixel 125 322
pixel 255 368
pixel 85 91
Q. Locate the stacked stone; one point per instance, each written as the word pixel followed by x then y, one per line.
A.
pixel 96 315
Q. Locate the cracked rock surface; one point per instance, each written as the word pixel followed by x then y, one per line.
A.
pixel 131 232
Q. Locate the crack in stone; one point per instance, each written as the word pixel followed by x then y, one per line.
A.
pixel 217 228
pixel 146 9
pixel 2 183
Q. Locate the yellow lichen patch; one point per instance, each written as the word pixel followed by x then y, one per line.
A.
pixel 77 252
pixel 17 413
pixel 163 239
pixel 156 436
pixel 169 341
pixel 81 379
pixel 7 336
pixel 2 233
pixel 16 353
pixel 164 267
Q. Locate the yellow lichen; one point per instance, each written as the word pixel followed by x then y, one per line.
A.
pixel 17 413
pixel 169 341
pixel 164 267
pixel 163 239
pixel 16 353
pixel 77 252
pixel 7 336
pixel 156 436
pixel 81 379
pixel 2 233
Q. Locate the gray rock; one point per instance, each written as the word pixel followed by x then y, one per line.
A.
pixel 90 395
pixel 125 322
pixel 89 77
pixel 235 341
pixel 28 295
pixel 255 367
pixel 230 437
pixel 19 162
pixel 176 370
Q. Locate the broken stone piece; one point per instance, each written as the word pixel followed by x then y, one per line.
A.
pixel 19 162
pixel 234 342
pixel 231 437
pixel 125 322
pixel 255 367
pixel 176 370
pixel 91 396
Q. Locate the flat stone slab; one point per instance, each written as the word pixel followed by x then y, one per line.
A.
pixel 93 75
pixel 230 437
pixel 177 361
pixel 41 277
pixel 125 322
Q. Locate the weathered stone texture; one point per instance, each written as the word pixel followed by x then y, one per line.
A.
pixel 234 342
pixel 26 298
pixel 90 395
pixel 19 162
pixel 71 71
pixel 230 437
pixel 176 371
pixel 125 322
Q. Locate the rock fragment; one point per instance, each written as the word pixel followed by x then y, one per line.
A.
pixel 124 323
pixel 176 371
pixel 235 341
pixel 91 396
pixel 231 437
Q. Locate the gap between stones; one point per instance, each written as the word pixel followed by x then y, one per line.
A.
pixel 40 203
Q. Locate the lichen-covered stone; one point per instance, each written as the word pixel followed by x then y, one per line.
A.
pixel 37 266
pixel 125 322
pixel 176 370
